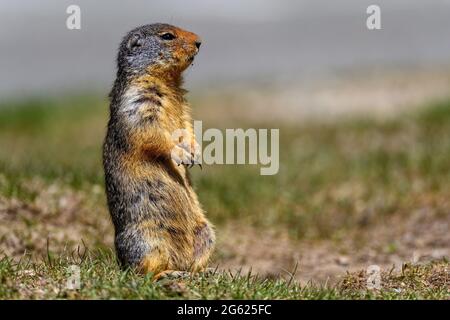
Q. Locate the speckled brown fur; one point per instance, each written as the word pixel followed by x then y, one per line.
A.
pixel 159 223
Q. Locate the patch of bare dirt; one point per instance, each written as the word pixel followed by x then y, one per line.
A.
pixel 421 237
pixel 56 219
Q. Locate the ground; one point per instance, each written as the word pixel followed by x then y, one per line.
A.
pixel 352 192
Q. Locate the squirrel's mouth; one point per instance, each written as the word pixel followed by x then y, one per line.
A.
pixel 191 58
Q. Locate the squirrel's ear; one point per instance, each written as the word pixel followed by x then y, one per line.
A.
pixel 135 41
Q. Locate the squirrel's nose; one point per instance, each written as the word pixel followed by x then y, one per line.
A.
pixel 198 43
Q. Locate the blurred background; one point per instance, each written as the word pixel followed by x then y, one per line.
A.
pixel 364 118
pixel 263 40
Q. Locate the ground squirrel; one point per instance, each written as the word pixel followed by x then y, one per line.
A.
pixel 159 223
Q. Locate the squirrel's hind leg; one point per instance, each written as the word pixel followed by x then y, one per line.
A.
pixel 203 246
pixel 154 263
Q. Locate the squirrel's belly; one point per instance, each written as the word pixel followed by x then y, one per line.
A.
pixel 166 227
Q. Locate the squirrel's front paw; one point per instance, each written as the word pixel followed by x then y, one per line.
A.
pixel 188 154
pixel 184 156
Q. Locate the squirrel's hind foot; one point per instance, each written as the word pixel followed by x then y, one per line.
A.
pixel 171 275
pixel 178 274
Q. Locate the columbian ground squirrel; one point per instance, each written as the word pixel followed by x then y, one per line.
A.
pixel 159 224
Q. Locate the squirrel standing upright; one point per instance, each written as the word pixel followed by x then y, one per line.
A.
pixel 159 224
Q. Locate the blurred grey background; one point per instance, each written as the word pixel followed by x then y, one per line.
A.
pixel 257 40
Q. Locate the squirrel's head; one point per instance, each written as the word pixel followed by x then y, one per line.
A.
pixel 159 49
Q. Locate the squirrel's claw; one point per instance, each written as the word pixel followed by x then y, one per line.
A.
pixel 182 155
pixel 192 164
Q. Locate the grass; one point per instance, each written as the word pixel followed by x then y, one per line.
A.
pixel 334 178
pixel 100 278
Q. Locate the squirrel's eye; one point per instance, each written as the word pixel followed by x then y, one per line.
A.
pixel 167 36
